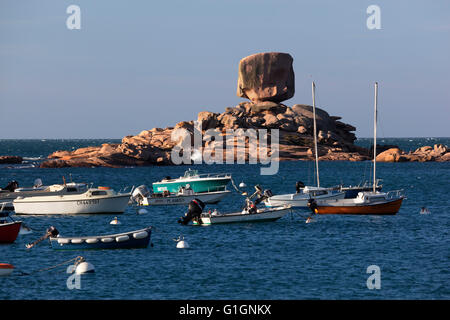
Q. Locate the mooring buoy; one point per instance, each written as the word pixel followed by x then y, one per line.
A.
pixel 181 243
pixel 115 221
pixel 84 267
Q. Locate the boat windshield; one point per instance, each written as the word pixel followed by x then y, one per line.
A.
pixel 190 173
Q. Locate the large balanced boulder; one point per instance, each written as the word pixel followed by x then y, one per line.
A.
pixel 266 76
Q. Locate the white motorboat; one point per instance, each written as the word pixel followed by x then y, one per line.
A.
pixel 300 200
pixel 259 215
pixel 74 199
pixel 12 190
pixel 184 195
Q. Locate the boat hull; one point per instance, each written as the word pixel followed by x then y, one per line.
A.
pixel 264 216
pixel 128 240
pixel 209 197
pixel 299 200
pixel 41 205
pixel 387 208
pixel 9 231
pixel 6 269
pixel 201 185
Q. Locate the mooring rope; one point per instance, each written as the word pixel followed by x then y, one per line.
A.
pixel 77 260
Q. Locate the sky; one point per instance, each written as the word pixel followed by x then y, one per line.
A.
pixel 135 65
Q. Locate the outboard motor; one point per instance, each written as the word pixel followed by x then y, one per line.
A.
pixel 51 232
pixel 140 193
pixel 12 185
pixel 268 193
pixel 312 204
pixel 195 209
pixel 37 183
pixel 298 186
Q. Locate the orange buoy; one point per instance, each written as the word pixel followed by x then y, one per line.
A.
pixel 6 269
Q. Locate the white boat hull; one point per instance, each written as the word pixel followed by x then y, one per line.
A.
pixel 209 197
pixel 262 215
pixel 299 200
pixel 39 205
pixel 6 272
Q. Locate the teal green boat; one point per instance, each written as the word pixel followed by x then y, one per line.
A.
pixel 195 181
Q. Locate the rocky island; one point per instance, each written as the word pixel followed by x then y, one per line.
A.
pixel 266 80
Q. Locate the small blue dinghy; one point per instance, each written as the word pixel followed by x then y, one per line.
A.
pixel 127 240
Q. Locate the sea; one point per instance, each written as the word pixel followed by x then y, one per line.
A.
pixel 334 257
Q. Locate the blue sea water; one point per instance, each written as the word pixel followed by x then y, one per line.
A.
pixel 286 259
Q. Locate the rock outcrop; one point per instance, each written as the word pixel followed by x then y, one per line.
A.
pixel 266 76
pixel 153 147
pixel 438 152
pixel 10 160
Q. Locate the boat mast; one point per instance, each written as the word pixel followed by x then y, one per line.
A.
pixel 375 138
pixel 315 132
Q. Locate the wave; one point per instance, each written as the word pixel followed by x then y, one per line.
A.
pixel 20 166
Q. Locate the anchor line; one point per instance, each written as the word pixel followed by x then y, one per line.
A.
pixel 77 260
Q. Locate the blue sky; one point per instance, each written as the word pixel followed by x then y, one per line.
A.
pixel 135 65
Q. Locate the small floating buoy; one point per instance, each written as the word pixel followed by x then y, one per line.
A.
pixel 115 221
pixel 242 185
pixel 309 220
pixel 424 210
pixel 181 243
pixel 84 267
pixel 6 269
pixel 142 211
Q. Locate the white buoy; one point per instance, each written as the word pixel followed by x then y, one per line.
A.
pixel 142 211
pixel 181 243
pixel 84 267
pixel 242 185
pixel 115 221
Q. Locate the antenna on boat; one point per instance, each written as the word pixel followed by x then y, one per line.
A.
pixel 375 138
pixel 315 132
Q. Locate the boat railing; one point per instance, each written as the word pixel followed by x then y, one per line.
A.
pixel 395 194
pixel 124 189
pixel 212 175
